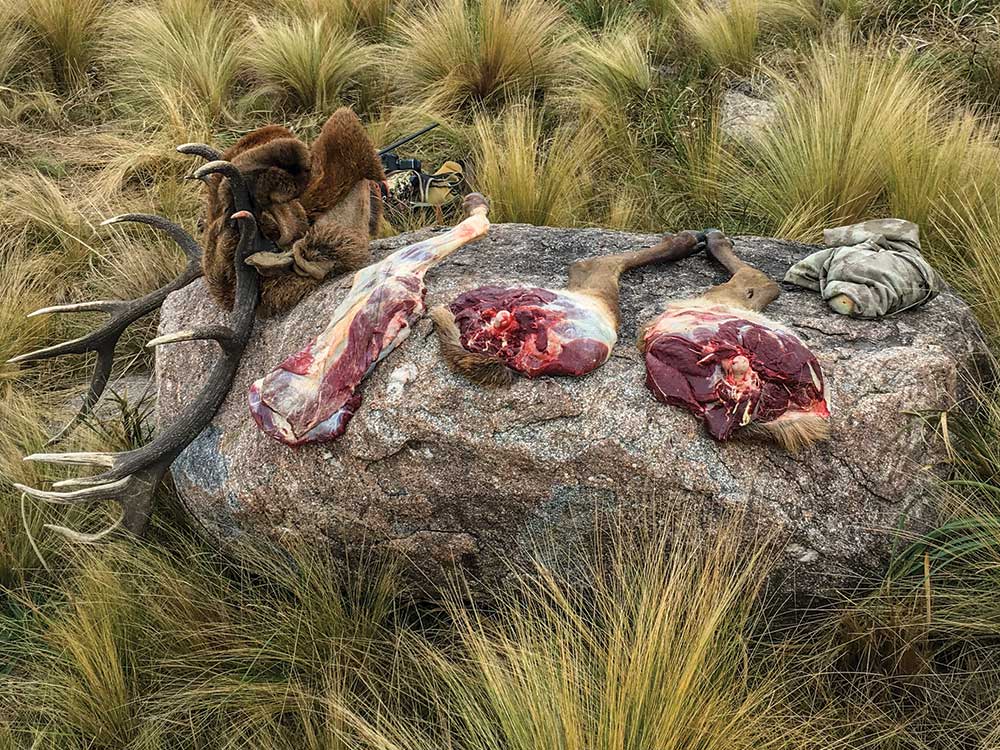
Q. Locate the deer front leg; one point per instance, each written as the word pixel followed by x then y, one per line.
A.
pixel 313 394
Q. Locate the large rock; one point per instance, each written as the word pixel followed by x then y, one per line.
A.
pixel 443 470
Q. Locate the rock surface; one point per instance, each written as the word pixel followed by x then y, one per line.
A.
pixel 442 470
pixel 743 117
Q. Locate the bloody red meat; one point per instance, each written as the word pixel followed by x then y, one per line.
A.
pixel 731 367
pixel 491 331
pixel 312 395
pixel 536 331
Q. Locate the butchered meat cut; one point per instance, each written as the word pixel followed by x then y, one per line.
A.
pixel 731 369
pixel 536 331
pixel 489 332
pixel 720 358
pixel 312 395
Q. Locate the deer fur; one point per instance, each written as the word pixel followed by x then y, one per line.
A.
pixel 485 369
pixel 316 201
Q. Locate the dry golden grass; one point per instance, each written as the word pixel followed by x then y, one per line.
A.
pixel 308 63
pixel 451 53
pixel 657 655
pixel 729 36
pixel 35 204
pixel 614 74
pixel 946 161
pixel 175 59
pixel 371 17
pixel 68 33
pixel 842 122
pixel 14 43
pixel 969 225
pixel 532 175
pixel 152 649
pixel 23 279
pixel 725 35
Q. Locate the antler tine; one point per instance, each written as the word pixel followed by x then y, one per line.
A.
pixel 133 493
pixel 104 338
pixel 132 476
pixel 221 334
pixel 203 150
pixel 177 233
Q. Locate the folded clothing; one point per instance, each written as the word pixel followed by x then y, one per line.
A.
pixel 869 270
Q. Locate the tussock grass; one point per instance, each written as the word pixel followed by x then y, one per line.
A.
pixel 14 44
pixel 133 262
pixel 178 58
pixel 970 229
pixel 24 281
pixel 530 174
pixel 615 75
pixel 729 36
pixel 454 52
pixel 157 648
pixel 842 122
pixel 68 32
pixel 308 63
pixel 371 17
pixel 725 35
pixel 947 161
pixel 657 655
pixel 23 428
pixel 53 223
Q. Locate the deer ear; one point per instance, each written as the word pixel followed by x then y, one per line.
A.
pixel 342 156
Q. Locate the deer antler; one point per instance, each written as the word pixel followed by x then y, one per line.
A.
pixel 131 477
pixel 203 150
pixel 104 339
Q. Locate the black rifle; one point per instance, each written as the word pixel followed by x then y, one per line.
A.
pixel 391 162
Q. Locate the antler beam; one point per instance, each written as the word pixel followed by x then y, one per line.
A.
pixel 131 477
